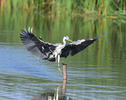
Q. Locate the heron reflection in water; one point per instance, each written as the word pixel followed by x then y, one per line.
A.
pixel 51 95
pixel 58 94
pixel 52 52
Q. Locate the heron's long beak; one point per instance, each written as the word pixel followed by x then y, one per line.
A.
pixel 70 40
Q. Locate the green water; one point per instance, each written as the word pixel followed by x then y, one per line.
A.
pixel 97 73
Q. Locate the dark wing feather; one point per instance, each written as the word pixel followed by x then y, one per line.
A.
pixel 82 45
pixel 76 46
pixel 36 46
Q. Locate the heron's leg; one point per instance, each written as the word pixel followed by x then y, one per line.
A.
pixel 58 62
pixel 58 59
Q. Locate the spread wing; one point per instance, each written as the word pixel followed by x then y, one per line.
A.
pixel 36 46
pixel 76 46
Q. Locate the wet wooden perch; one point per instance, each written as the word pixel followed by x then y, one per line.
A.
pixel 64 78
pixel 64 71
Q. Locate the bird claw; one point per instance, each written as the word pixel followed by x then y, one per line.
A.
pixel 59 69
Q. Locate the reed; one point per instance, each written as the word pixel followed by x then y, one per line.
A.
pixel 70 7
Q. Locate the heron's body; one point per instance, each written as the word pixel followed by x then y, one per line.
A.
pixel 58 49
pixel 57 52
pixel 52 52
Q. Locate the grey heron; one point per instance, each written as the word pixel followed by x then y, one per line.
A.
pixel 52 52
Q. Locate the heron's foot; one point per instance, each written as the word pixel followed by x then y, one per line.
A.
pixel 58 66
pixel 59 69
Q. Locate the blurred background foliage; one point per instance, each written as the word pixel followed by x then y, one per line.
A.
pixel 71 7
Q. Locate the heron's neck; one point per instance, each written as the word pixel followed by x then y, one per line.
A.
pixel 64 41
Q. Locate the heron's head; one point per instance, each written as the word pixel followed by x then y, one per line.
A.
pixel 66 38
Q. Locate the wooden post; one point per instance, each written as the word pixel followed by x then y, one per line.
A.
pixel 64 78
pixel 64 71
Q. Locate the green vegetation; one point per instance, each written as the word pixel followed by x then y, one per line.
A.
pixel 70 7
